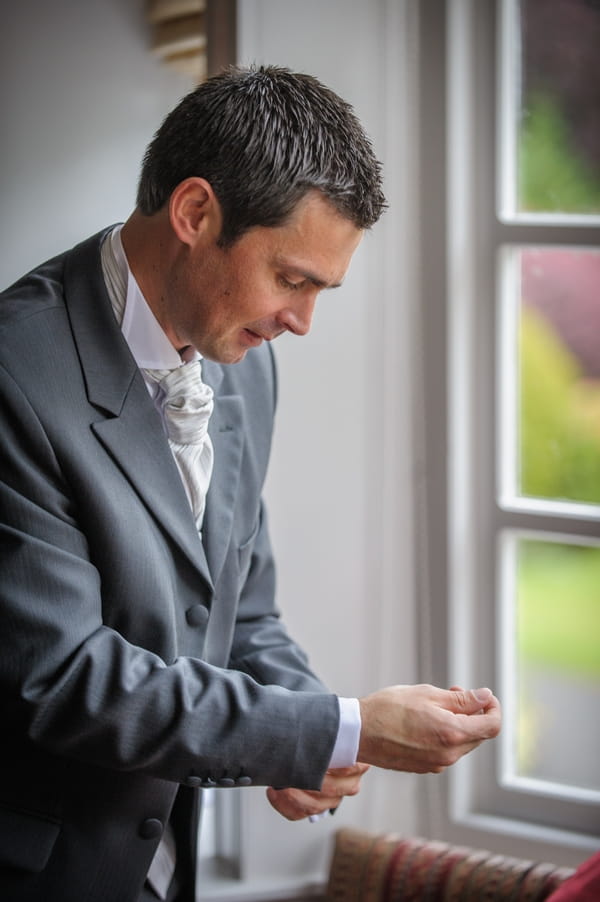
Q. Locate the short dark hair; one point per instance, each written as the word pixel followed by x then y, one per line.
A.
pixel 262 137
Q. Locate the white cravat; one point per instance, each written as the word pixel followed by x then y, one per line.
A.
pixel 187 404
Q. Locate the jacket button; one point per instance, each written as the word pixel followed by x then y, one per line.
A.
pixel 151 828
pixel 197 615
pixel 244 781
pixel 194 781
pixel 226 782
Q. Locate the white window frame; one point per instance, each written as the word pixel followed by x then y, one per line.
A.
pixel 484 805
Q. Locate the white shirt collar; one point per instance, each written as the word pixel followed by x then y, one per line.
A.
pixel 143 333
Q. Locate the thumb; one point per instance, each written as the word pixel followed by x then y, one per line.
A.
pixel 471 701
pixel 355 770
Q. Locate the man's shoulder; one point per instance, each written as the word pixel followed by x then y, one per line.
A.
pixel 38 290
pixel 42 289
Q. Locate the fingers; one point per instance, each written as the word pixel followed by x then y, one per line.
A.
pixel 468 701
pixel 296 804
pixel 359 769
pixel 476 704
pixel 342 781
pixel 476 712
pixel 486 723
pixel 461 733
pixel 292 804
pixel 340 777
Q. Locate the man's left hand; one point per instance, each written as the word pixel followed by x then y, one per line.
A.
pixel 295 804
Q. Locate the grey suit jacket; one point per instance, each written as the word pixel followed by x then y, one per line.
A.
pixel 134 659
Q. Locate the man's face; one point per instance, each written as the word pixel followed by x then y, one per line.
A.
pixel 223 301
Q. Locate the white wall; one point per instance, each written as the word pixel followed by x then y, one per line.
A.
pixel 80 97
pixel 340 483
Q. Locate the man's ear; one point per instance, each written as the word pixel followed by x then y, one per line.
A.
pixel 194 211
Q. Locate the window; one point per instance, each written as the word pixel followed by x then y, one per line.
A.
pixel 524 410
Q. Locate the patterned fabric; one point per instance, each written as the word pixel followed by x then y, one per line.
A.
pixel 387 868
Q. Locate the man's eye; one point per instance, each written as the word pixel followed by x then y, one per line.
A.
pixel 291 286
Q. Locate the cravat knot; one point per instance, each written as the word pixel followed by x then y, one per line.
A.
pixel 187 404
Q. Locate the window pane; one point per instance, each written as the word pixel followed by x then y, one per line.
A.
pixel 558 662
pixel 559 122
pixel 559 375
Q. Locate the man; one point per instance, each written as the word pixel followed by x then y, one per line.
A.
pixel 141 652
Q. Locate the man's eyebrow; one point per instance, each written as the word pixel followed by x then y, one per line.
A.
pixel 317 281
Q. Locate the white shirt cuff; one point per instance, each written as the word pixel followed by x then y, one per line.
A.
pixel 345 750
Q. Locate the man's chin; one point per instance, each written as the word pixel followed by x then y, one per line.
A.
pixel 228 357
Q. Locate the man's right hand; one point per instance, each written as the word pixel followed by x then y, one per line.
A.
pixel 423 729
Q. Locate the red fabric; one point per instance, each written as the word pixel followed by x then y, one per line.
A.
pixel 583 886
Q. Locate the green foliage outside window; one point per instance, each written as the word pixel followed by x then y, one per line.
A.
pixel 558 585
pixel 559 427
pixel 559 607
pixel 553 176
pixel 559 418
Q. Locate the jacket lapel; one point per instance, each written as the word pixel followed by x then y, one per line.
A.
pixel 132 433
pixel 136 441
pixel 226 429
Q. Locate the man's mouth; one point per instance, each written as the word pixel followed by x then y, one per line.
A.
pixel 264 336
pixel 253 337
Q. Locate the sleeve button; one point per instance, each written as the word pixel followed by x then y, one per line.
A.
pixel 244 781
pixel 226 782
pixel 194 781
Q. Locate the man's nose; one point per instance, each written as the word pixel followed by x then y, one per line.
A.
pixel 297 317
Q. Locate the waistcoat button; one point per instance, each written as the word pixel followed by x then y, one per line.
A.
pixel 197 615
pixel 151 828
